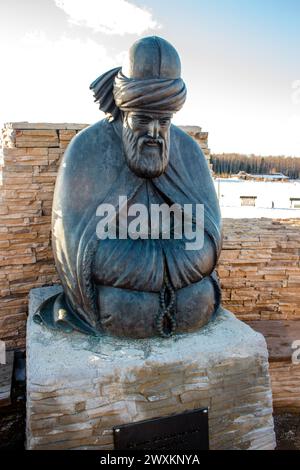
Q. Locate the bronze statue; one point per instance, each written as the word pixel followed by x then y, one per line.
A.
pixel 123 286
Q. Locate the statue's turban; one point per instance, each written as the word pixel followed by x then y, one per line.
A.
pixel 114 91
pixel 151 83
pixel 158 95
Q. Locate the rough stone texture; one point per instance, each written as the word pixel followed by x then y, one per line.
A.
pixel 284 366
pixel 78 387
pixel 285 378
pixel 260 268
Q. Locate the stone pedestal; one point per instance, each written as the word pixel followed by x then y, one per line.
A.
pixel 79 387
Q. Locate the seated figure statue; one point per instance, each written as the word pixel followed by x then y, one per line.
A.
pixel 134 286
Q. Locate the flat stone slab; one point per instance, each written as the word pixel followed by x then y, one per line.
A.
pixel 6 375
pixel 279 335
pixel 79 387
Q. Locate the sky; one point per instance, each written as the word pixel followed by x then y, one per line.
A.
pixel 240 62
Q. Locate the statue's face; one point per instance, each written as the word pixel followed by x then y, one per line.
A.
pixel 146 139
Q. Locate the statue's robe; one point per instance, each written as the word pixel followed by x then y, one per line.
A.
pixel 113 285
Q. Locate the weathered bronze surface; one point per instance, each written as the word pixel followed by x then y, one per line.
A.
pixel 180 432
pixel 133 287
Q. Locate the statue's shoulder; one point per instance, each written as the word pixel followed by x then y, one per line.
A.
pixel 90 137
pixel 184 140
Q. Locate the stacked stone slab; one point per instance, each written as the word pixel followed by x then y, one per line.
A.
pixel 79 388
pixel 285 378
pixel 31 155
pixel 260 268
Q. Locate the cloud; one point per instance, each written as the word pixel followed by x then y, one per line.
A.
pixel 50 80
pixel 108 16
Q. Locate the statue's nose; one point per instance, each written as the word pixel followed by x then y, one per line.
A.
pixel 153 130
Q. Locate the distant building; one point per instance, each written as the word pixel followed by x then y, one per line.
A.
pixel 295 202
pixel 278 194
pixel 273 177
pixel 248 200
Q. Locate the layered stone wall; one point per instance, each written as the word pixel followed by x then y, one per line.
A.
pixel 285 379
pixel 259 266
pixel 31 155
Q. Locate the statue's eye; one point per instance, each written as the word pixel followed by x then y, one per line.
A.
pixel 142 120
pixel 164 121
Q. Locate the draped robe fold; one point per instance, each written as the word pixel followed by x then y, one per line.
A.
pixel 94 171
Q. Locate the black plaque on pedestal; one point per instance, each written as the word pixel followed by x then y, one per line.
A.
pixel 180 432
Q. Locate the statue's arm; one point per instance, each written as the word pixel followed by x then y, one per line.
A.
pixel 208 257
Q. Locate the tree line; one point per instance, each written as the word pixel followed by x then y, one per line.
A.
pixel 228 164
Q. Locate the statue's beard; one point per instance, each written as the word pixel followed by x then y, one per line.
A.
pixel 144 159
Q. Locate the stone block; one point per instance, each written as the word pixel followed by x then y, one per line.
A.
pixel 79 387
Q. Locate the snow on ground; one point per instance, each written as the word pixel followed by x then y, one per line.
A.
pixel 258 212
pixel 273 199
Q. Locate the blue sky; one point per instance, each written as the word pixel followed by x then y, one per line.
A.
pixel 240 61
